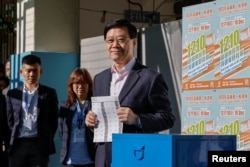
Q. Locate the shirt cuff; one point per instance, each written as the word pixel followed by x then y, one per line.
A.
pixel 138 122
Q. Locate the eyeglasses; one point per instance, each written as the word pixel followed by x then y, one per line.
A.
pixel 80 83
pixel 120 40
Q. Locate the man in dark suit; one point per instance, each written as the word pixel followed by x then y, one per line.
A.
pixel 4 132
pixel 32 117
pixel 142 92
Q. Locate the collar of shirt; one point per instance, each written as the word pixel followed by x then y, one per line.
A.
pixel 127 67
pixel 119 77
pixel 29 99
pixel 28 91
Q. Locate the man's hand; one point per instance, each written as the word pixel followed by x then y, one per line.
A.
pixel 126 115
pixel 91 119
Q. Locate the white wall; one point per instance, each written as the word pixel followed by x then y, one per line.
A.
pixel 47 25
pixel 93 55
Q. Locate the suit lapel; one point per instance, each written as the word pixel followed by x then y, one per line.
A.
pixel 19 96
pixel 72 110
pixel 106 82
pixel 133 77
pixel 40 96
pixel 128 85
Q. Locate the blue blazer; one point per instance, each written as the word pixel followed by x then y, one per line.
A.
pixel 65 116
pixel 46 121
pixel 146 93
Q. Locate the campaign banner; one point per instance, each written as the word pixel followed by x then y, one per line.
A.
pixel 233 116
pixel 198 113
pixel 232 65
pixel 199 46
pixel 216 70
pixel 219 111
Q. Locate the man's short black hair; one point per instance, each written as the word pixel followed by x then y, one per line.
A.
pixel 121 23
pixel 31 59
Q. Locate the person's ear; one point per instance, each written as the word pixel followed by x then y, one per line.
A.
pixel 135 42
pixel 21 72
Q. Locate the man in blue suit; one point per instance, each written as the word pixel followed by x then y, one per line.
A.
pixel 32 117
pixel 142 92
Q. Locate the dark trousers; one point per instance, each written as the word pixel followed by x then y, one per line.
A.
pixel 103 155
pixel 4 159
pixel 27 154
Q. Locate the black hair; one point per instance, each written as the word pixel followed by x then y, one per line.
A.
pixel 121 23
pixel 2 70
pixel 1 66
pixel 5 79
pixel 31 59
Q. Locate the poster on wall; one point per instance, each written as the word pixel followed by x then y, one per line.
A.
pixel 199 46
pixel 218 112
pixel 216 93
pixel 198 112
pixel 232 114
pixel 232 67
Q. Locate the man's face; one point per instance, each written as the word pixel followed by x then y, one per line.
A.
pixel 7 69
pixel 31 73
pixel 119 46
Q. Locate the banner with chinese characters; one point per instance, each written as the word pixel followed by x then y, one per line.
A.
pixel 216 70
pixel 199 46
pixel 198 112
pixel 232 66
pixel 233 116
pixel 220 111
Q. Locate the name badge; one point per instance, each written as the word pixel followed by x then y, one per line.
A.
pixel 79 136
pixel 28 124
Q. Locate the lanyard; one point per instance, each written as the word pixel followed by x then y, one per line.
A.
pixel 81 113
pixel 28 102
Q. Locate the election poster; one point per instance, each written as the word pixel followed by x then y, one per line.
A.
pixel 216 70
pixel 199 46
pixel 232 66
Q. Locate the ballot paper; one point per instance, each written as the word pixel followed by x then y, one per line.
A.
pixel 105 109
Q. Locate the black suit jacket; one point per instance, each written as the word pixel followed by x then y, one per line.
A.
pixel 146 93
pixel 4 129
pixel 46 121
